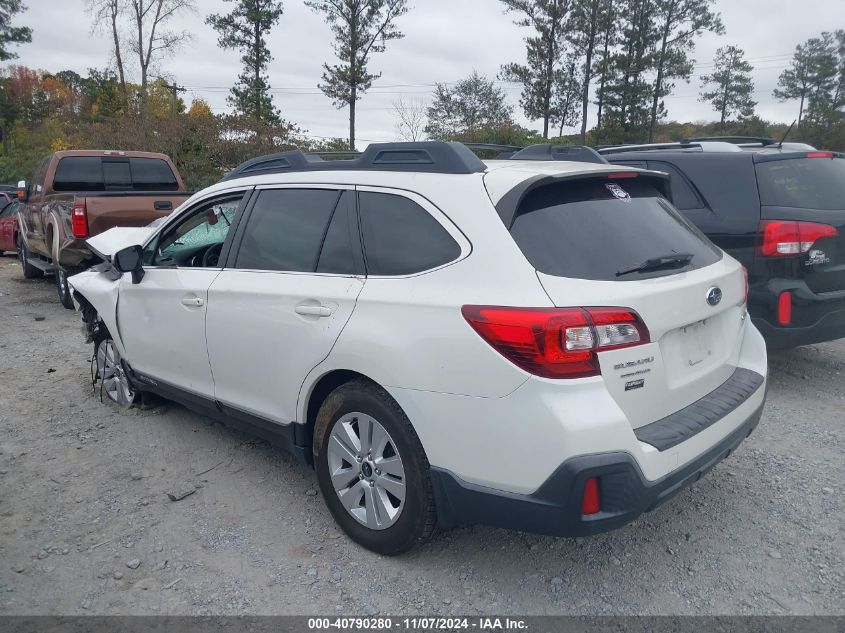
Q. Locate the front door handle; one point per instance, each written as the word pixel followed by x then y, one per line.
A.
pixel 313 310
pixel 192 301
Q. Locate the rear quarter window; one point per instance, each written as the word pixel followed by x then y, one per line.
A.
pixel 802 183
pixel 402 238
pixel 595 228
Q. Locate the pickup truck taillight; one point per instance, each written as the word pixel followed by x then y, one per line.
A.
pixel 556 342
pixel 787 238
pixel 79 219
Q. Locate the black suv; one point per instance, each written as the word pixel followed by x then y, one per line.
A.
pixel 777 208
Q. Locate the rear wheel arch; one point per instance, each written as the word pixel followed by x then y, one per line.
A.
pixel 318 394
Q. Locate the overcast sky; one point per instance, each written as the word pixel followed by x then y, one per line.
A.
pixel 445 40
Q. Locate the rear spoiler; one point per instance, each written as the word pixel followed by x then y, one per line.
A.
pixel 510 202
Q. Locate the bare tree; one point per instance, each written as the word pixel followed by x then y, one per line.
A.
pixel 107 14
pixel 411 119
pixel 150 39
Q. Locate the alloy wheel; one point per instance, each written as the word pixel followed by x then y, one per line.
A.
pixel 366 470
pixel 115 383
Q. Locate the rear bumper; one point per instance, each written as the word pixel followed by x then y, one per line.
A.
pixel 555 508
pixel 816 318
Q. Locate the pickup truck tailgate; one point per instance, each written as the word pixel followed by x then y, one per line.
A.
pixel 107 211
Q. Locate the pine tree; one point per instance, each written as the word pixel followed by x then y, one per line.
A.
pixel 360 28
pixel 733 87
pixel 678 23
pixel 11 34
pixel 245 29
pixel 549 20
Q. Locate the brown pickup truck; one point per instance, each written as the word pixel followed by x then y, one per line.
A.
pixel 77 194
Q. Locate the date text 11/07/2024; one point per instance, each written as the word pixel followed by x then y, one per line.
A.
pixel 417 624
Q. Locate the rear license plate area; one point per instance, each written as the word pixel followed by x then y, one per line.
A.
pixel 696 343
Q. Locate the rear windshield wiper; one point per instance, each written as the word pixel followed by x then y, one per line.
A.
pixel 675 260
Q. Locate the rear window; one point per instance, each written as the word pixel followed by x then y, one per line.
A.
pixel 593 229
pixel 93 173
pixel 803 183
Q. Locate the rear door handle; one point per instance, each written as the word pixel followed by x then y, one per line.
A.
pixel 312 310
pixel 192 301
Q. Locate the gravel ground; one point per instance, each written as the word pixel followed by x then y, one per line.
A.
pixel 86 525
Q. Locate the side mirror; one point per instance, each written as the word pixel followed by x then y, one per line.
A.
pixel 129 260
pixel 22 190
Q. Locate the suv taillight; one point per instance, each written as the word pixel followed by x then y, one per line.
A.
pixel 79 219
pixel 787 238
pixel 556 342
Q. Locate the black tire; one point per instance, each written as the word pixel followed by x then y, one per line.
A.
pixel 418 518
pixel 29 271
pixel 62 288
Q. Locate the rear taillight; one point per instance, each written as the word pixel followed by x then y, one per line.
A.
pixel 787 238
pixel 819 154
pixel 79 219
pixel 556 342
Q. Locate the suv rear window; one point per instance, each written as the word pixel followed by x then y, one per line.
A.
pixel 93 173
pixel 592 229
pixel 802 183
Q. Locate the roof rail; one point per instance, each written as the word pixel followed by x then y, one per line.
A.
pixel 547 151
pixel 732 139
pixel 427 157
pixel 614 149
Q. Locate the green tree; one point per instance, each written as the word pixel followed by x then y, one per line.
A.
pixel 628 92
pixel 549 21
pixel 733 88
pixel 11 34
pixel 809 74
pixel 679 23
pixel 361 28
pixel 472 104
pixel 590 29
pixel 246 29
pixel 608 35
pixel 568 95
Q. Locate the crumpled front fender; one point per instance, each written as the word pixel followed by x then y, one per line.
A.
pixel 101 290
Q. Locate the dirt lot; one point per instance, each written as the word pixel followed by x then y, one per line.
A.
pixel 86 526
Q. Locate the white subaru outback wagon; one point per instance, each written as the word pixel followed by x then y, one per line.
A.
pixel 538 345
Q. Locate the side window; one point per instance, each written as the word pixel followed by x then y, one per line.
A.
pixel 197 239
pixel 683 194
pixel 337 255
pixel 400 237
pixel 286 229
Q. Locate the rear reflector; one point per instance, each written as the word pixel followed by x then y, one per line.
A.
pixel 785 308
pixel 79 219
pixel 786 238
pixel 556 342
pixel 592 501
